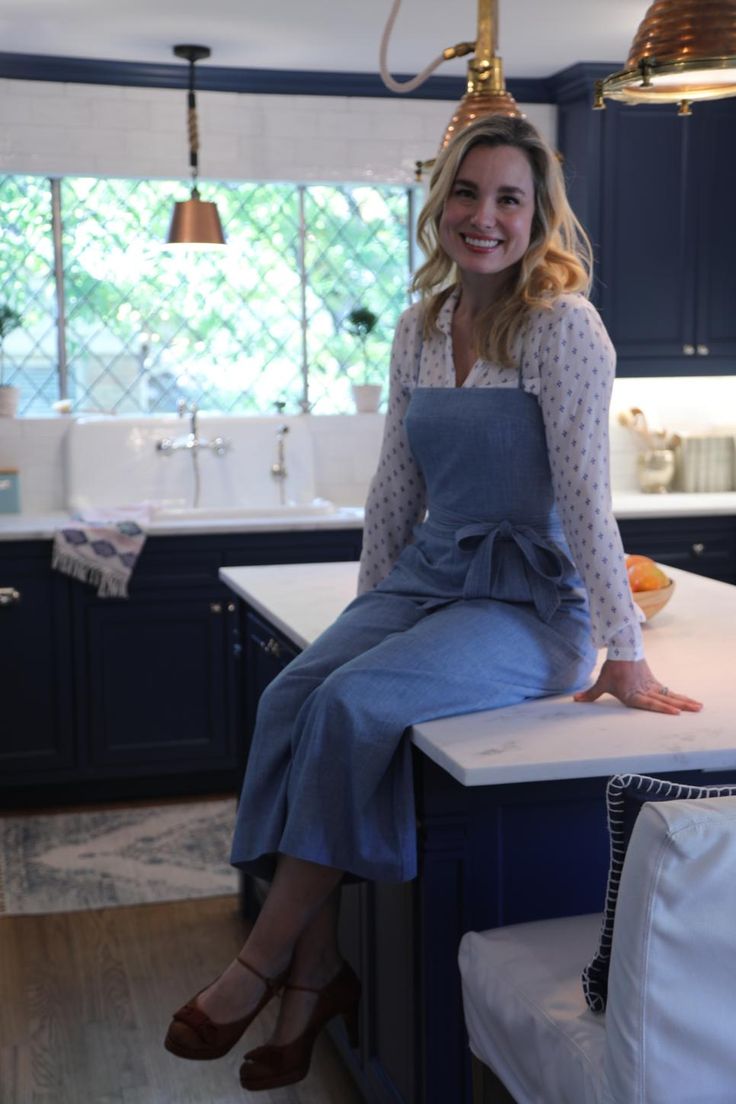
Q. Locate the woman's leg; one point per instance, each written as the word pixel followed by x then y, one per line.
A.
pixel 316 962
pixel 299 899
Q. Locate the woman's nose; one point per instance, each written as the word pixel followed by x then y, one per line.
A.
pixel 485 214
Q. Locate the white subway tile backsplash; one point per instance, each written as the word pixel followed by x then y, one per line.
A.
pixel 128 115
pixel 79 128
pixel 48 111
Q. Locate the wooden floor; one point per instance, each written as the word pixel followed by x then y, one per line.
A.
pixel 85 999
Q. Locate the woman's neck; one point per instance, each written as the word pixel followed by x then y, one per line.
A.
pixel 477 295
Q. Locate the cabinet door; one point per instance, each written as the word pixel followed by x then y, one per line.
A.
pixel 704 545
pixel 655 192
pixel 154 669
pixel 646 256
pixel 266 655
pixel 715 158
pixel 37 726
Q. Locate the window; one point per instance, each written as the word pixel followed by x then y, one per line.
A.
pixel 236 329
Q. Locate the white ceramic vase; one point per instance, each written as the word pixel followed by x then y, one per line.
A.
pixel 367 397
pixel 9 397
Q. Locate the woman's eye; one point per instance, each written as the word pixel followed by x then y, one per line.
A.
pixel 465 193
pixel 510 200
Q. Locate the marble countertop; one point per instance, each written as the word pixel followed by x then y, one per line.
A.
pixel 634 504
pixel 629 504
pixel 689 644
pixel 44 526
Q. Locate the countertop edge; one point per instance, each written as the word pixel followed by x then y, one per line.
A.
pixel 627 506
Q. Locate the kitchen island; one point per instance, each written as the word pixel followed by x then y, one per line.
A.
pixel 510 808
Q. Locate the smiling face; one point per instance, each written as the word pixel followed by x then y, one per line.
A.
pixel 486 221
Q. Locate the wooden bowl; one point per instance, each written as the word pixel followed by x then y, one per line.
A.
pixel 652 601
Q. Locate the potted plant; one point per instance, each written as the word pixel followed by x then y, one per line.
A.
pixel 360 322
pixel 9 321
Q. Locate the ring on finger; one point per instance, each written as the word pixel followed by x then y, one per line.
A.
pixel 664 690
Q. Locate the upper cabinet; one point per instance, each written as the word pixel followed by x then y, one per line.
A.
pixel 655 192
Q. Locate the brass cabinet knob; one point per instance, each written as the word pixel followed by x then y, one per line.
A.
pixel 216 607
pixel 9 596
pixel 688 350
pixel 698 549
pixel 703 350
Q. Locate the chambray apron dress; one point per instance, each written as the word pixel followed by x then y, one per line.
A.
pixel 484 609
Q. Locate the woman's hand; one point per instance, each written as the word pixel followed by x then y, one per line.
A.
pixel 633 683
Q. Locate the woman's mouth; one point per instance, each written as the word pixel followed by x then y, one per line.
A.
pixel 480 245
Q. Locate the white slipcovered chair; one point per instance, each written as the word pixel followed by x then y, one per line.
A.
pixel 668 1035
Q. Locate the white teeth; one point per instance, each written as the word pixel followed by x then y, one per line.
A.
pixel 483 243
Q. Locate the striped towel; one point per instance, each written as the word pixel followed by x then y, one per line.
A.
pixel 101 547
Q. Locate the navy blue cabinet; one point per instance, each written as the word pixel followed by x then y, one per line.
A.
pixel 655 193
pixel 704 545
pixel 137 697
pixel 36 719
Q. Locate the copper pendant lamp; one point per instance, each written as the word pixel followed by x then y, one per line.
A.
pixel 486 90
pixel 194 221
pixel 683 51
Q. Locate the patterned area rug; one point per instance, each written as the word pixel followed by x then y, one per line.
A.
pixel 63 862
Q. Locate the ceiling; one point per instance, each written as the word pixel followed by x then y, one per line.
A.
pixel 537 37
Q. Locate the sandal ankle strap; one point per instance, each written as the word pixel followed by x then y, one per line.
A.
pixel 304 988
pixel 272 984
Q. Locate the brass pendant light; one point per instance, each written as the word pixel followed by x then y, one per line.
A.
pixel 683 51
pixel 486 91
pixel 194 222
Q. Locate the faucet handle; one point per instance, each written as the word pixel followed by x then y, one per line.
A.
pixel 221 445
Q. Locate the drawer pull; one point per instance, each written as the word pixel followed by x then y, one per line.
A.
pixel 688 350
pixel 9 596
pixel 272 648
pixel 698 549
pixel 703 350
pixel 215 607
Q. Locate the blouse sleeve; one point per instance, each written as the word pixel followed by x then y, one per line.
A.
pixel 396 498
pixel 577 364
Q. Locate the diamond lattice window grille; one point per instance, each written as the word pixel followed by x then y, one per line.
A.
pixel 27 284
pixel 356 254
pixel 145 326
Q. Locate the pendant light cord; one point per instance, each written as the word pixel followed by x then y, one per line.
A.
pixel 193 131
pixel 408 86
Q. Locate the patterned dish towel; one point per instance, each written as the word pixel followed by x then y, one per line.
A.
pixel 101 547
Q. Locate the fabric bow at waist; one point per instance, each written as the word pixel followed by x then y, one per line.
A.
pixel 542 564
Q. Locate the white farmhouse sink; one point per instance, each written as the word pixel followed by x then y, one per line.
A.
pixel 113 460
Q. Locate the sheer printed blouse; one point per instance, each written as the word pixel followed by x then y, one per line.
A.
pixel 568 362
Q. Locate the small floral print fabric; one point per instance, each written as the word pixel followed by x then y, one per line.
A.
pixel 567 360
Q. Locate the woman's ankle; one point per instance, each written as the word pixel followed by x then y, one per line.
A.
pixel 315 970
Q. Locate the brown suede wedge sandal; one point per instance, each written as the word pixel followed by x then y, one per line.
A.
pixel 192 1034
pixel 271 1067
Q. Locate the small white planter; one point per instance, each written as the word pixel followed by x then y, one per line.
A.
pixel 9 398
pixel 367 397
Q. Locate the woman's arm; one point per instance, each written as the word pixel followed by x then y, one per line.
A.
pixel 396 498
pixel 577 362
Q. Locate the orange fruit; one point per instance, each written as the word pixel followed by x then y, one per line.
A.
pixel 644 574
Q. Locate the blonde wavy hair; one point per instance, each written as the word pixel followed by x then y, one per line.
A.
pixel 559 258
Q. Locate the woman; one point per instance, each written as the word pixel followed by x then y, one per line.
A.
pixel 497 424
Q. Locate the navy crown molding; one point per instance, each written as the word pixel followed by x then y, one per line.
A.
pixel 212 78
pixel 577 81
